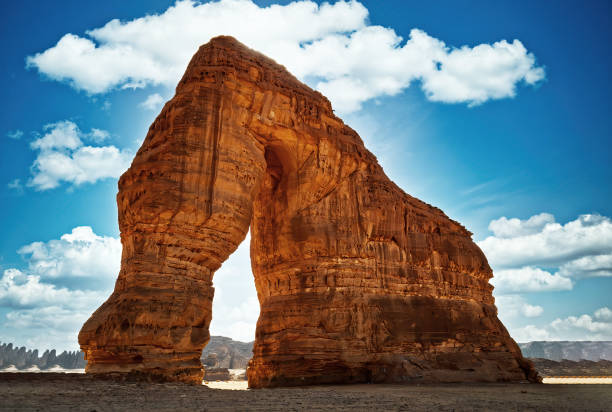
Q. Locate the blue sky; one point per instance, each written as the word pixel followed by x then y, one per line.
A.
pixel 512 139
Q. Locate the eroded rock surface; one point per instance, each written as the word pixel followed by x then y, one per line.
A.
pixel 222 352
pixel 357 281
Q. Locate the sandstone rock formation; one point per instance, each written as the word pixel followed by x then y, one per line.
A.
pixel 565 367
pixel 357 281
pixel 227 353
pixel 570 350
pixel 217 374
pixel 22 358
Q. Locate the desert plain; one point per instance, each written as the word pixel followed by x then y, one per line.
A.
pixel 79 392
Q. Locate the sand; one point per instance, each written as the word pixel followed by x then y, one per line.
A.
pixel 579 380
pixel 31 369
pixel 65 391
pixel 228 385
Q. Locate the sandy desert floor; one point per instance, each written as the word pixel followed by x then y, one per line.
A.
pixel 57 391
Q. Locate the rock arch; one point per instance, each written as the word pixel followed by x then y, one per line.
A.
pixel 357 280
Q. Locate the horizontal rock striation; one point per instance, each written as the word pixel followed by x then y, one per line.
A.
pixel 357 281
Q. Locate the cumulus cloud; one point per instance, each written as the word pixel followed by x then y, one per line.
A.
pixel 330 46
pixel 152 102
pixel 552 243
pixel 514 311
pixel 583 324
pixel 80 258
pixel 603 314
pixel 15 134
pixel 508 228
pixel 532 311
pixel 50 327
pixel 63 157
pixel 65 281
pixel 588 266
pixel 20 290
pixel 539 254
pixel 597 326
pixel 584 327
pixel 235 319
pixel 51 318
pixel 513 307
pixel 531 333
pixel 529 279
pixel 98 135
pixel 60 135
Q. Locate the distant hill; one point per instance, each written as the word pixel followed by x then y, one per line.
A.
pixel 235 355
pixel 222 352
pixel 24 359
pixel 571 350
pixel 547 367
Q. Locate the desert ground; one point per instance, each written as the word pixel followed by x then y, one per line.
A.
pixel 78 392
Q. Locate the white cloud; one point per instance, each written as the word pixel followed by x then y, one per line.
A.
pixel 60 135
pixel 63 157
pixel 508 228
pixel 513 307
pixel 98 135
pixel 514 311
pixel 603 314
pixel 15 134
pixel 65 281
pixel 528 279
pixel 532 311
pixel 330 46
pixel 547 242
pixel 19 290
pixel 485 72
pixel 588 266
pixel 523 252
pixel 582 327
pixel 531 333
pixel 80 258
pixel 237 321
pixel 49 327
pixel 540 255
pixel 152 102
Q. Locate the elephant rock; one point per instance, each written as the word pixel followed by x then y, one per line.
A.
pixel 357 281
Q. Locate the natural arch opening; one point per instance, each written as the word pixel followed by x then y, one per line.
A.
pixel 236 308
pixel 235 311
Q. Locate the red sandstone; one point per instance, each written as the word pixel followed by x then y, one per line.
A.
pixel 357 280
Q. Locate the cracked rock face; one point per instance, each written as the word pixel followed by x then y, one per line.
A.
pixel 357 280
